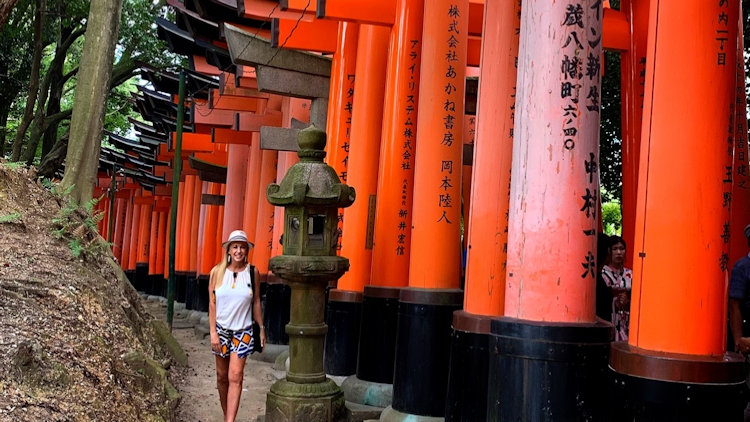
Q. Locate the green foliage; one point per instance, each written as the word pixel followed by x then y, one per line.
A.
pixel 77 226
pixel 612 217
pixel 13 164
pixel 10 218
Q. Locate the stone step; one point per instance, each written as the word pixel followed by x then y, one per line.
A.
pixel 356 412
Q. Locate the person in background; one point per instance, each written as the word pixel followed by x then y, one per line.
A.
pixel 739 299
pixel 233 305
pixel 618 280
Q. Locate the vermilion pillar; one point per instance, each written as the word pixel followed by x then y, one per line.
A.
pixel 681 264
pixel 487 225
pixel 344 311
pixel 341 103
pixel 633 77
pixel 552 224
pixel 191 292
pixel 127 233
pixel 182 249
pixel 210 246
pixel 234 199
pixel 252 192
pixel 426 305
pixel 120 210
pixel 144 242
pixel 161 252
pixel 392 236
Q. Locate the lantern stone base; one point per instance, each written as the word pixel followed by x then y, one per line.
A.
pixel 293 402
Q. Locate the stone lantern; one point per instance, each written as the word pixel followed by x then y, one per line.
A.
pixel 311 194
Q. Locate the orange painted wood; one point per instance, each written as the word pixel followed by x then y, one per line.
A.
pixel 182 254
pixel 219 156
pixel 235 188
pixel 201 65
pixel 318 35
pixel 392 237
pixel 228 88
pixel 234 103
pixel 133 255
pixel 682 282
pixel 152 244
pixel 265 214
pixel 474 51
pixel 161 241
pixel 211 116
pixel 285 161
pixel 466 179
pixel 231 136
pixel 340 105
pixel 144 200
pixel 616 31
pixel 302 5
pixel 268 9
pixel 253 190
pixel 381 12
pixel 476 18
pixel 436 217
pixel 194 142
pixel 551 261
pixel 195 226
pixel 120 210
pixel 144 231
pixel 209 234
pixel 247 82
pixel 633 83
pixel 167 244
pixel 127 232
pixel 253 122
pixel 367 120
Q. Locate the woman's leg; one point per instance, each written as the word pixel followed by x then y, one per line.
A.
pixel 222 380
pixel 236 372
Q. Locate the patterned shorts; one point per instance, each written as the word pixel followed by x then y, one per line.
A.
pixel 239 341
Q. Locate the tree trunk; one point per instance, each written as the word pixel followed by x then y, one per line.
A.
pixel 82 158
pixel 4 109
pixel 41 6
pixel 52 86
pixel 54 159
pixel 5 7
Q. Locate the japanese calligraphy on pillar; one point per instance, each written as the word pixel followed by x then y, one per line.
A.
pixel 451 108
pixel 344 154
pixel 408 141
pixel 580 71
pixel 723 45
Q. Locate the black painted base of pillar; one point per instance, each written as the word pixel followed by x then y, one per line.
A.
pixel 191 287
pixel 164 287
pixel 650 387
pixel 201 294
pixel 423 341
pixel 546 371
pixel 276 311
pixel 180 287
pixel 466 399
pixel 140 281
pixel 343 317
pixel 377 337
pixel 154 284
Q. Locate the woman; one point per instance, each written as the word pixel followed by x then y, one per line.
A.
pixel 232 307
pixel 618 280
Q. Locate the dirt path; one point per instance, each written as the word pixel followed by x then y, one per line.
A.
pixel 197 382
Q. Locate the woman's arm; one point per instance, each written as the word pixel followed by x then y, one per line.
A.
pixel 257 311
pixel 212 311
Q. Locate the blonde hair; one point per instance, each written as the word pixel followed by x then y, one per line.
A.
pixel 221 267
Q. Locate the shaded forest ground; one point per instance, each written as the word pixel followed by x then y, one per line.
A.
pixel 75 341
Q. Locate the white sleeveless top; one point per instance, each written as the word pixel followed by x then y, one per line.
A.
pixel 234 305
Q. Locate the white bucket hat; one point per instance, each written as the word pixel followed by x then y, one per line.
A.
pixel 237 236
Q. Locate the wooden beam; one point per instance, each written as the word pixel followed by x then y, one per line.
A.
pixel 318 35
pixel 234 102
pixel 268 9
pixel 616 30
pixel 374 12
pixel 193 142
